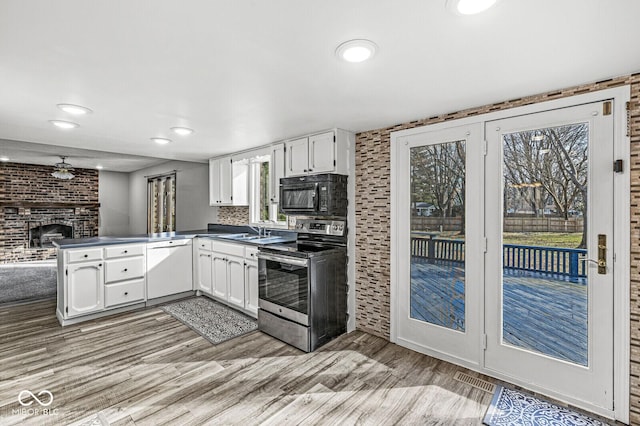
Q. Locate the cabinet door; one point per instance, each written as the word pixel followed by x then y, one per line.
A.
pixel 219 266
pixel 236 280
pixel 214 182
pixel 85 288
pixel 276 171
pixel 251 287
pixel 297 157
pixel 322 153
pixel 204 271
pixel 226 180
pixel 240 185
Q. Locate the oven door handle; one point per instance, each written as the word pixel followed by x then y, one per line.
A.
pixel 284 259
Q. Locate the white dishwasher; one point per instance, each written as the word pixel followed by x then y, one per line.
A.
pixel 169 269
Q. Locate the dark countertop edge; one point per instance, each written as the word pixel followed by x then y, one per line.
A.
pixel 71 243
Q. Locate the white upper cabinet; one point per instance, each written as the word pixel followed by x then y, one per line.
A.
pixel 228 182
pixel 326 152
pixel 297 157
pixel 277 171
pixel 322 155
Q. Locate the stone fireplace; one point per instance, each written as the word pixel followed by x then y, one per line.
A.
pixel 36 209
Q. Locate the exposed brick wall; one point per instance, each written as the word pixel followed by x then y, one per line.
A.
pixel 373 212
pixel 29 183
pixel 233 215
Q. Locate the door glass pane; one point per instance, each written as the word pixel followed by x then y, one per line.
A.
pixel 544 288
pixel 438 234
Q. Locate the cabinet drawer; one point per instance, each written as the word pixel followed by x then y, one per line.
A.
pixel 84 255
pixel 125 292
pixel 124 269
pixel 204 243
pixel 124 251
pixel 251 253
pixel 226 248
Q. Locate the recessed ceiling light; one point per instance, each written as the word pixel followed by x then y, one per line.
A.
pixel 74 109
pixel 356 50
pixel 99 167
pixel 469 7
pixel 64 124
pixel 161 141
pixel 4 159
pixel 182 131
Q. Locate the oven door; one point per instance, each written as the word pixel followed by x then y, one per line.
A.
pixel 301 198
pixel 283 286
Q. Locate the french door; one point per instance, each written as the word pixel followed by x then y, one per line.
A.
pixel 503 249
pixel 441 258
pixel 549 263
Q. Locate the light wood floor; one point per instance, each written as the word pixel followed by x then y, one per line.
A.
pixel 146 368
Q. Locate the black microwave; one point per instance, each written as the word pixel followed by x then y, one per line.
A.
pixel 314 195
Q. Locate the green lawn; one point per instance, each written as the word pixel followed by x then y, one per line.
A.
pixel 544 239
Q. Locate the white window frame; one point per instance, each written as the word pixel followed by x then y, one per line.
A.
pixel 254 195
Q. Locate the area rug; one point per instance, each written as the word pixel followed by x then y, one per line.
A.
pixel 214 321
pixel 515 408
pixel 29 281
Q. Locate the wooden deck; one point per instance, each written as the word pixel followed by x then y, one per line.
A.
pixel 541 313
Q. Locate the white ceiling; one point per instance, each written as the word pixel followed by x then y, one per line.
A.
pixel 243 73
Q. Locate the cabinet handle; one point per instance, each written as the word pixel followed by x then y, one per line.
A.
pixel 126 293
pixel 86 255
pixel 125 270
pixel 310 170
pixel 305 170
pixel 100 264
pixel 126 251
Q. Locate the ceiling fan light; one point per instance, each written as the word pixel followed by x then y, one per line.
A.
pixel 62 170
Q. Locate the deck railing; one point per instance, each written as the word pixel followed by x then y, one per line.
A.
pixel 549 260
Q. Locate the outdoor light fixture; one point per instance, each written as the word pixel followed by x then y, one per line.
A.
pixel 356 50
pixel 63 170
pixel 469 7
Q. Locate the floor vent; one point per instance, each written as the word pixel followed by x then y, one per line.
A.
pixel 475 382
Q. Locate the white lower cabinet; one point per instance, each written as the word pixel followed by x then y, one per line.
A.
pixel 96 279
pixel 251 286
pixel 124 293
pixel 232 271
pixel 84 288
pixel 124 275
pixel 203 271
pixel 235 280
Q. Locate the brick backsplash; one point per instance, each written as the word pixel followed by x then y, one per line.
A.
pixel 373 213
pixel 29 183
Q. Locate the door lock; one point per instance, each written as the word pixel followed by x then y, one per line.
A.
pixel 602 255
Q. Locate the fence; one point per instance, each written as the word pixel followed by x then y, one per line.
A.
pixel 549 260
pixel 509 224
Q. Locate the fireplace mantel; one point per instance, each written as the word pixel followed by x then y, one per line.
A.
pixel 45 205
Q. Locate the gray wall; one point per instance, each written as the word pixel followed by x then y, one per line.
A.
pixel 192 196
pixel 113 195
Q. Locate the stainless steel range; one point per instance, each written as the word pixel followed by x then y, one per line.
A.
pixel 303 285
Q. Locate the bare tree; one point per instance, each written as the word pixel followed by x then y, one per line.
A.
pixel 555 160
pixel 438 178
